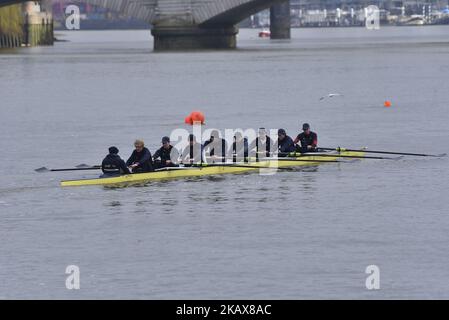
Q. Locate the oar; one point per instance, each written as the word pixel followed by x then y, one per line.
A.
pixel 256 167
pixel 347 156
pixel 78 168
pixel 296 160
pixel 292 159
pixel 293 156
pixel 235 166
pixel 387 152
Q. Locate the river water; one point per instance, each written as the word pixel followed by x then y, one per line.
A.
pixel 304 234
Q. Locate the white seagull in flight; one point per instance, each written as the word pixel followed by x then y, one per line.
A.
pixel 330 95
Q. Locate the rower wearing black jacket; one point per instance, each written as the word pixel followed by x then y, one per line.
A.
pixel 140 160
pixel 308 139
pixel 167 154
pixel 216 147
pixel 193 152
pixel 240 148
pixel 262 145
pixel 113 164
pixel 285 143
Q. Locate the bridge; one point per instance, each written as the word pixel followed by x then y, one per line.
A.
pixel 196 24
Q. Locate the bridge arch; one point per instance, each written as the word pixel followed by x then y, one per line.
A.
pixel 229 12
pixel 199 24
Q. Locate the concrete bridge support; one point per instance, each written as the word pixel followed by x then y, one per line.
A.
pixel 211 24
pixel 280 22
pixel 192 38
pixel 27 24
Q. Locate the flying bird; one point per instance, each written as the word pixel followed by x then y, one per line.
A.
pixel 330 95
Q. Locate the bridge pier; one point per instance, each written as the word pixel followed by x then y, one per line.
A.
pixel 27 24
pixel 193 38
pixel 280 22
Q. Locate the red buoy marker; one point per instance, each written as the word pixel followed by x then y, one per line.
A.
pixel 195 117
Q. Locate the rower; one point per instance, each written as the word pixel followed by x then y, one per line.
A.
pixel 308 139
pixel 166 153
pixel 262 144
pixel 216 147
pixel 239 148
pixel 285 144
pixel 192 153
pixel 113 165
pixel 140 160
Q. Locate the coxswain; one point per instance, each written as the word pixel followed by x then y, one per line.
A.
pixel 308 140
pixel 140 160
pixel 192 153
pixel 113 165
pixel 285 144
pixel 216 147
pixel 165 156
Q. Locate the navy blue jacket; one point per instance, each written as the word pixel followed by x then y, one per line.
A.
pixel 166 155
pixel 286 145
pixel 143 158
pixel 113 164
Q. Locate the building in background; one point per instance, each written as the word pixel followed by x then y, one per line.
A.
pixel 94 17
pixel 341 13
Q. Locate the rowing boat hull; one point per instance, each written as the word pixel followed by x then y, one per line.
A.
pixel 207 171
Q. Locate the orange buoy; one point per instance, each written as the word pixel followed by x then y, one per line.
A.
pixel 195 117
pixel 387 104
pixel 188 120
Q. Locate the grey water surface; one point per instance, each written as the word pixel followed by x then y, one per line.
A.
pixel 310 233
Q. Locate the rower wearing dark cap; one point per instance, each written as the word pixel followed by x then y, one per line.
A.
pixel 285 144
pixel 308 140
pixel 167 154
pixel 113 164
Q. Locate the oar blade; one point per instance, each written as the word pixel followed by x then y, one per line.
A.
pixel 83 165
pixel 42 169
pixel 388 152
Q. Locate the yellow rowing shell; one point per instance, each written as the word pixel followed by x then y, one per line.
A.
pixel 184 172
